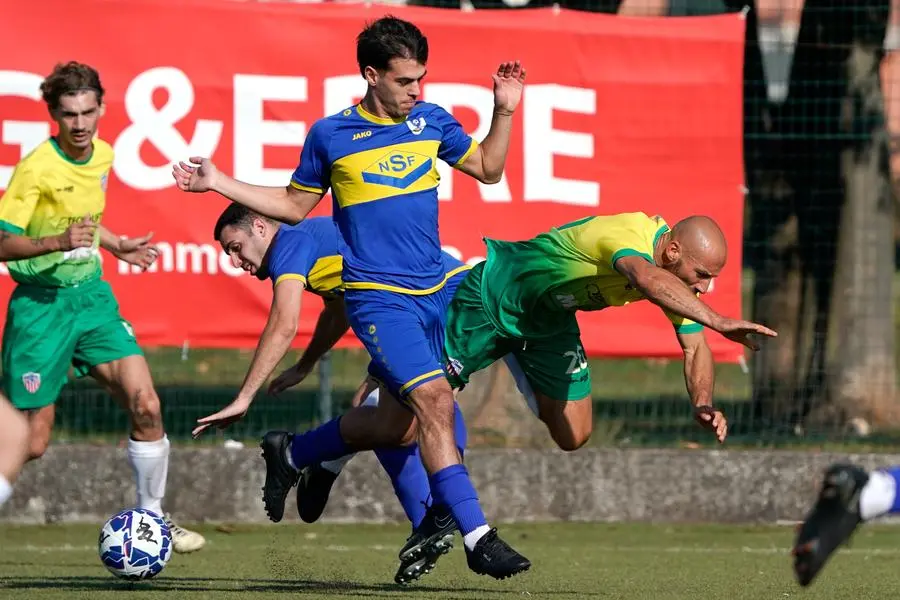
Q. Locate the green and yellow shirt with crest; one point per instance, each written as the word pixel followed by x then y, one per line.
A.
pixel 47 193
pixel 530 288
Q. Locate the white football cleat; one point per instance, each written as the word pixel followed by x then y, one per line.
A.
pixel 184 540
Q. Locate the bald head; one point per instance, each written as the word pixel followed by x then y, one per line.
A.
pixel 695 251
pixel 702 240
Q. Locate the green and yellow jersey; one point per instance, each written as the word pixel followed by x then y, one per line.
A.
pixel 47 193
pixel 531 287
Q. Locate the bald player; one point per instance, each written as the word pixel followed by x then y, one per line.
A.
pixel 523 299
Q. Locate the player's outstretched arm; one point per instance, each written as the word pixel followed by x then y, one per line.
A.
pixel 670 293
pixel 330 327
pixel 487 162
pixel 286 204
pixel 18 247
pixel 276 338
pixel 700 377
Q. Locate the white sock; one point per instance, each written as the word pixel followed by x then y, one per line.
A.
pixel 5 490
pixel 877 495
pixel 471 538
pixel 150 461
pixel 775 61
pixel 337 465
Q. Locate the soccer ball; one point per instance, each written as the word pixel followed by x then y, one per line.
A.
pixel 135 544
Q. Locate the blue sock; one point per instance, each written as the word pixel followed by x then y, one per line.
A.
pixel 459 431
pixel 319 445
pixel 452 488
pixel 410 481
pixel 408 476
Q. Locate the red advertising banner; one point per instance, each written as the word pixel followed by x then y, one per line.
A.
pixel 619 114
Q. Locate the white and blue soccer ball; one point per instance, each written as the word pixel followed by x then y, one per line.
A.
pixel 135 544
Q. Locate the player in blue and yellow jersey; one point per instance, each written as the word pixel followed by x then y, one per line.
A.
pixel 302 257
pixel 379 160
pixel 523 298
pixel 62 313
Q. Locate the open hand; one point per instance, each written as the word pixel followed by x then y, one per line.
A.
pixel 197 177
pixel 509 81
pixel 230 414
pixel 138 251
pixel 740 332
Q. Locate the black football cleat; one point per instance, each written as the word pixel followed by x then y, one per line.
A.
pixel 830 523
pixel 492 556
pixel 280 475
pixel 429 541
pixel 313 490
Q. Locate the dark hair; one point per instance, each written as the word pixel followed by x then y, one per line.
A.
pixel 235 215
pixel 387 38
pixel 70 78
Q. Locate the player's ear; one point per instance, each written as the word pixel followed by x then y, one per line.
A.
pixel 102 110
pixel 259 226
pixel 370 74
pixel 673 251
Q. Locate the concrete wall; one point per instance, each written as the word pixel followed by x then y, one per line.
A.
pixel 89 483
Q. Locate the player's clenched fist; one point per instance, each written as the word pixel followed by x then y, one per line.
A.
pixel 713 420
pixel 79 235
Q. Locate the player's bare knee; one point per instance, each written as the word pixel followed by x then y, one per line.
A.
pixel 146 414
pixel 572 440
pixel 37 445
pixel 433 406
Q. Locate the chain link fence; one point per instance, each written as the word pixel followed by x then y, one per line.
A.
pixel 821 116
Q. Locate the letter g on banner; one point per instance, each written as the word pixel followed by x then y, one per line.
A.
pixel 157 126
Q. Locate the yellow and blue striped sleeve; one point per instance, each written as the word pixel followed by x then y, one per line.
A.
pixel 313 174
pixel 456 145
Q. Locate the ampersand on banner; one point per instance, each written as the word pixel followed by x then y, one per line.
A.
pixel 157 126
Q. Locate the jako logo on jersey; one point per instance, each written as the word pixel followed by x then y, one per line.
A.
pixel 416 125
pixel 360 135
pixel 397 169
pixel 31 381
pixel 104 179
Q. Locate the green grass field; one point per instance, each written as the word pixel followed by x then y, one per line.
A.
pixel 571 560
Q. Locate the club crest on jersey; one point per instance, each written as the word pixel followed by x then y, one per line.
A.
pixel 31 381
pixel 398 169
pixel 417 125
pixel 104 179
pixel 453 367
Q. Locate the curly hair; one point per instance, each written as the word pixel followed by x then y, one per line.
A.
pixel 70 78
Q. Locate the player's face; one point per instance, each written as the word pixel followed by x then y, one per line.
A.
pixel 398 88
pixel 697 276
pixel 77 117
pixel 246 249
pixel 697 272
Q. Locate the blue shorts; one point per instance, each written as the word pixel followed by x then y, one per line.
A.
pixel 403 333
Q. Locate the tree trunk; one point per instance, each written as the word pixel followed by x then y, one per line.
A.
pixel 862 381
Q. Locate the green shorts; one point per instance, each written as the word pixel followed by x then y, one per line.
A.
pixel 554 366
pixel 49 329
